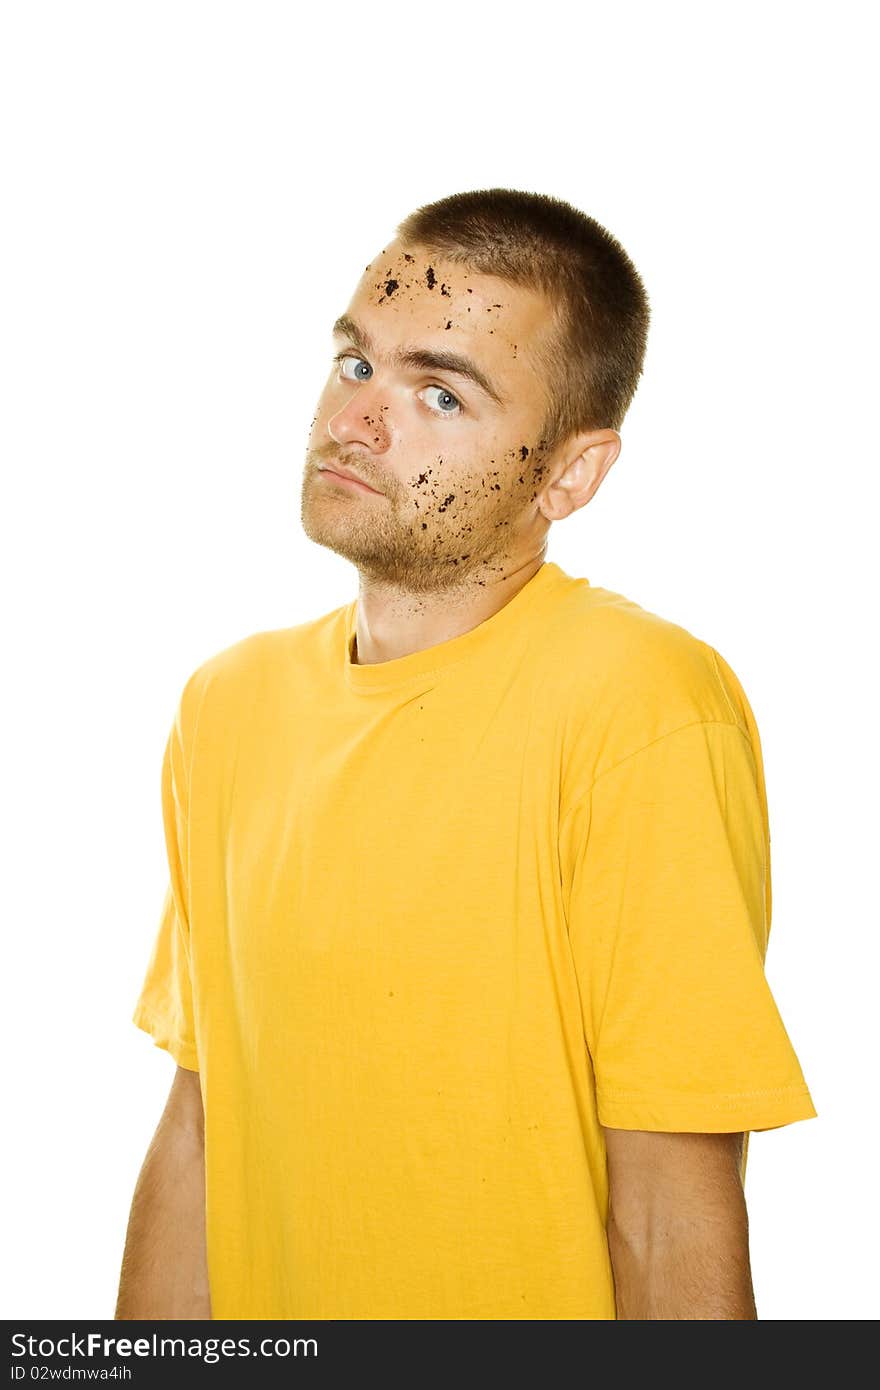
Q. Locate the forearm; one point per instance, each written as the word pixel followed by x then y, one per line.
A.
pixel 669 1274
pixel 164 1265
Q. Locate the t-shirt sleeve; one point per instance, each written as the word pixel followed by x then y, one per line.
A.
pixel 669 916
pixel 164 1007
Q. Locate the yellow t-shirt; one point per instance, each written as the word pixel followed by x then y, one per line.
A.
pixel 432 922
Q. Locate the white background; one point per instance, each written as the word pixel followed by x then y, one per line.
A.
pixel 191 192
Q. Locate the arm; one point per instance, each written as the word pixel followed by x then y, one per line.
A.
pixel 677 1226
pixel 164 1265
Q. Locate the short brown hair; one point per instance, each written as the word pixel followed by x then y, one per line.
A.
pixel 595 358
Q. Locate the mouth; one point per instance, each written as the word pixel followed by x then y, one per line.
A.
pixel 345 480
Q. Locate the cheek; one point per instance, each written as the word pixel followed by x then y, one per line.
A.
pixel 450 484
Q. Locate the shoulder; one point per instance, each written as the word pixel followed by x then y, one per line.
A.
pixel 632 675
pixel 234 680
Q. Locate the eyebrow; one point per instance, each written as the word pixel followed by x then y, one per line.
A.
pixel 426 359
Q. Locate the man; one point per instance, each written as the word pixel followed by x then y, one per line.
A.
pixel 461 957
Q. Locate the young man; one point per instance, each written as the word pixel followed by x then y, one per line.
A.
pixel 461 958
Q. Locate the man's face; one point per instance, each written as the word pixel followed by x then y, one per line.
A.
pixel 455 471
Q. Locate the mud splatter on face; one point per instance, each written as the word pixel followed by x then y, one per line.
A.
pixel 377 438
pixel 412 537
pixel 538 471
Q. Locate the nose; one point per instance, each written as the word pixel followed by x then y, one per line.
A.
pixel 361 421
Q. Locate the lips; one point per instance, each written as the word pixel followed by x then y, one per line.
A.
pixel 347 473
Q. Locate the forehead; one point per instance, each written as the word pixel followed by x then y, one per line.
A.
pixel 413 295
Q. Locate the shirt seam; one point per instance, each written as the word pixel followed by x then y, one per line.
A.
pixel 584 796
pixel 713 1097
pixel 402 680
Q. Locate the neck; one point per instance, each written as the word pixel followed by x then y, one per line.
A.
pixel 393 621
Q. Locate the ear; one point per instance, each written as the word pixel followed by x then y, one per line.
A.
pixel 587 460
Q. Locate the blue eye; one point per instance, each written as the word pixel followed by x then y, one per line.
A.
pixel 448 403
pixel 342 357
pixel 448 396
